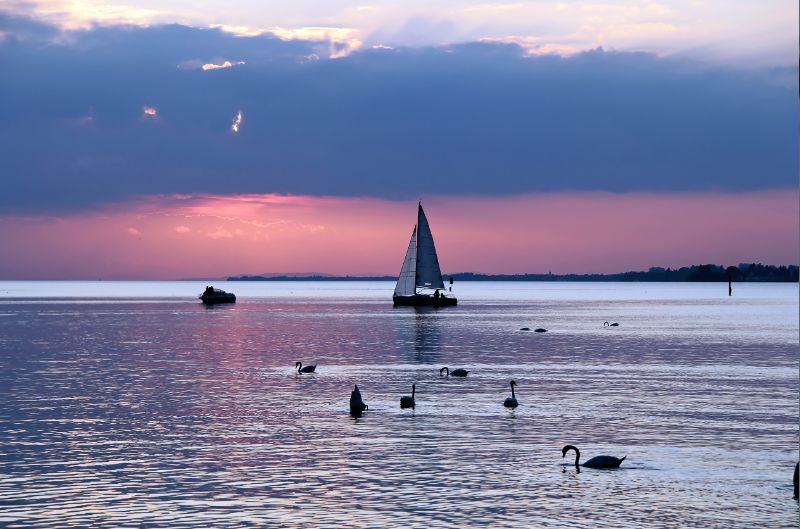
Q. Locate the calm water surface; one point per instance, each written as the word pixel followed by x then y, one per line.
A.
pixel 129 404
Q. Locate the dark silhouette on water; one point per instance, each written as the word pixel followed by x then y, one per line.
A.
pixel 357 405
pixel 540 329
pixel 213 296
pixel 306 369
pixel 796 478
pixel 455 372
pixel 595 462
pixel 409 402
pixel 606 324
pixel 511 402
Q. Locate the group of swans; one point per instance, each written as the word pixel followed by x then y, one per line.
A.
pixel 358 406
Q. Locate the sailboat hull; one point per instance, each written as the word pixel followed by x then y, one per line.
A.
pixel 423 301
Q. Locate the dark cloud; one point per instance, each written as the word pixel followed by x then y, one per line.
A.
pixel 470 119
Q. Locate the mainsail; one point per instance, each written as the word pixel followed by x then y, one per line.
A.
pixel 408 274
pixel 429 275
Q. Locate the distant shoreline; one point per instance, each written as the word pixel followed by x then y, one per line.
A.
pixel 745 272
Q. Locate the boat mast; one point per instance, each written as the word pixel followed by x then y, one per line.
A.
pixel 416 255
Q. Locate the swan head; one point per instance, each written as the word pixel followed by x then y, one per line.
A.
pixel 442 370
pixel 298 364
pixel 566 449
pixel 513 383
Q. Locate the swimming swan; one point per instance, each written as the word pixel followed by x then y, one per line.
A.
pixel 307 369
pixel 356 402
pixel 406 401
pixel 606 324
pixel 455 372
pixel 511 402
pixel 595 462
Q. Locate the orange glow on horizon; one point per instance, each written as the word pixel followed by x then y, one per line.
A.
pixel 180 236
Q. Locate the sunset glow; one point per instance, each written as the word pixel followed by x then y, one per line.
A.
pixel 214 236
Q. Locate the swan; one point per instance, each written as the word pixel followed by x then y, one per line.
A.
pixel 540 330
pixel 455 372
pixel 307 369
pixel 406 401
pixel 525 329
pixel 356 402
pixel 511 402
pixel 595 462
pixel 606 324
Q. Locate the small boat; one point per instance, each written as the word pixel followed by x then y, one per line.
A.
pixel 420 282
pixel 212 296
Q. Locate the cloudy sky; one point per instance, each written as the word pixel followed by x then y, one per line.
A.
pixel 174 139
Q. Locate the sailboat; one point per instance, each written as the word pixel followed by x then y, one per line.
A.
pixel 420 281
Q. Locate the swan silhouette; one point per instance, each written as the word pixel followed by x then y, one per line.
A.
pixel 511 402
pixel 595 462
pixel 455 372
pixel 540 329
pixel 356 402
pixel 408 402
pixel 606 324
pixel 306 369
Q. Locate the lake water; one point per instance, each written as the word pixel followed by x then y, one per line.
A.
pixel 130 404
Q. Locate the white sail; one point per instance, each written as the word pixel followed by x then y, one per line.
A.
pixel 408 273
pixel 429 275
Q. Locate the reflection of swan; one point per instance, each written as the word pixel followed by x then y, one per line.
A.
pixel 511 402
pixel 307 369
pixel 595 462
pixel 606 324
pixel 356 402
pixel 406 401
pixel 455 372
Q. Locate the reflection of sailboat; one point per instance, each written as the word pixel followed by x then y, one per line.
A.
pixel 420 281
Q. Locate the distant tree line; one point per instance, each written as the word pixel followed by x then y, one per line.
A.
pixel 748 272
pixel 744 272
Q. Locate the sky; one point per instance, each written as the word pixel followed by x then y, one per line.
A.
pixel 160 140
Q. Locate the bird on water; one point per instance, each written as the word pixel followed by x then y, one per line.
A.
pixel 595 462
pixel 408 402
pixel 357 405
pixel 455 372
pixel 606 324
pixel 306 369
pixel 511 402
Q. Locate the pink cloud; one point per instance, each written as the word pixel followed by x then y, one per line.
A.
pixel 559 232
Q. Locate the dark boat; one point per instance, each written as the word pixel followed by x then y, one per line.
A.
pixel 420 282
pixel 212 296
